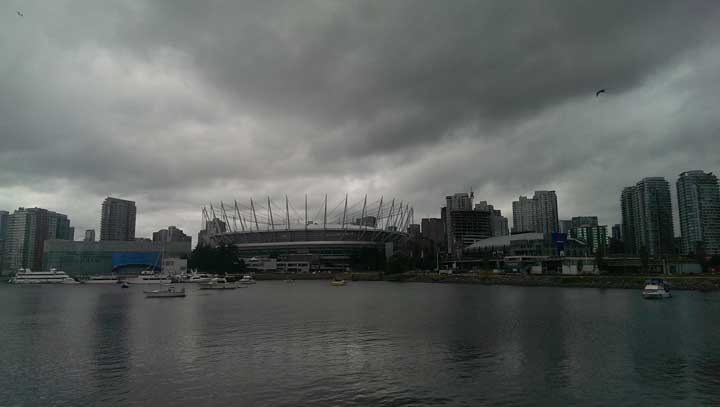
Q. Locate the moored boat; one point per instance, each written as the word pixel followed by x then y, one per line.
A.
pixel 218 284
pixel 247 279
pixel 165 292
pixel 53 276
pixel 655 288
pixel 100 279
pixel 149 277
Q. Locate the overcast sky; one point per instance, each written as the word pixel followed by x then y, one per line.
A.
pixel 176 104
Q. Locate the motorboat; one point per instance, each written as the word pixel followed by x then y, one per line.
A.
pixel 247 279
pixel 53 276
pixel 100 279
pixel 149 277
pixel 218 283
pixel 338 283
pixel 124 285
pixel 198 278
pixel 165 292
pixel 656 288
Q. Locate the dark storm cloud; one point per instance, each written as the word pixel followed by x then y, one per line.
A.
pixel 179 103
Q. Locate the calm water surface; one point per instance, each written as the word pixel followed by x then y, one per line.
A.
pixel 366 344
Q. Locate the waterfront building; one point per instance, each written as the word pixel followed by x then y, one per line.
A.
pixel 524 212
pixel 580 221
pixel 546 217
pixel 538 214
pixel 698 199
pixel 647 217
pixel 25 233
pixel 629 220
pixel 413 230
pixel 4 217
pixel 117 220
pixel 565 225
pixel 524 244
pixel 59 226
pixel 171 234
pixel 89 235
pixel 461 201
pixel 434 230
pixel 595 237
pixel 498 223
pixel 108 256
pixel 464 225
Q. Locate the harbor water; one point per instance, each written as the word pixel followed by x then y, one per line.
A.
pixel 364 344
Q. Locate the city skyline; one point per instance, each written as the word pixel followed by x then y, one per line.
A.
pixel 562 216
pixel 381 104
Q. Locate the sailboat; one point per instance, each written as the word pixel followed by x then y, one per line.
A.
pixel 149 276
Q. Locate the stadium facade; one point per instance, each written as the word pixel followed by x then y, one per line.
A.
pixel 339 239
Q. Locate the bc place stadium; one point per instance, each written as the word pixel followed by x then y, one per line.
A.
pixel 322 235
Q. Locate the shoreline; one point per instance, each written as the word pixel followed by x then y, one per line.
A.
pixel 703 283
pixel 685 283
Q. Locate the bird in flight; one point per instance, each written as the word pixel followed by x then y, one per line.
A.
pixel 20 14
pixel 599 92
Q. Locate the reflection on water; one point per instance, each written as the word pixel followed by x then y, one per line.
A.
pixel 363 344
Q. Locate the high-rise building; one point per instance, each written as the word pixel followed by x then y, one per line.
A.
pixel 464 226
pixel 594 236
pixel 699 206
pixel 171 234
pixel 59 226
pixel 524 212
pixel 629 219
pixel 647 217
pixel 459 202
pixel 498 223
pixel 413 230
pixel 117 220
pixel 580 221
pixel 4 216
pixel 565 225
pixel 434 230
pixel 546 217
pixel 89 235
pixel 617 231
pixel 28 228
pixel 538 214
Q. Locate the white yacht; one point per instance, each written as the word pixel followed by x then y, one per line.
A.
pixel 149 277
pixel 166 292
pixel 247 279
pixel 655 289
pixel 107 279
pixel 198 278
pixel 26 276
pixel 218 284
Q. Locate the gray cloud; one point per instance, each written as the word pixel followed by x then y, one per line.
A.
pixel 176 104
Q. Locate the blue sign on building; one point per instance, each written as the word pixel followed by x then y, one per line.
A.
pixel 149 259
